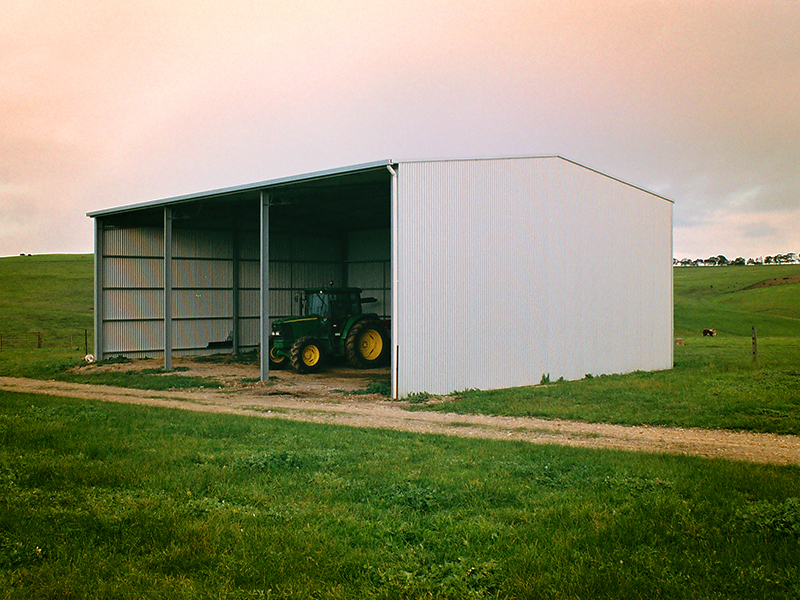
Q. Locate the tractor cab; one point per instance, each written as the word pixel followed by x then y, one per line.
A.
pixel 335 304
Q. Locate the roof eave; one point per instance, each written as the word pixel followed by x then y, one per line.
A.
pixel 249 187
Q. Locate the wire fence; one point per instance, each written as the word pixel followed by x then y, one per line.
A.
pixel 32 340
pixel 16 341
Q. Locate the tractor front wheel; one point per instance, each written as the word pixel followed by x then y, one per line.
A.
pixel 276 361
pixel 367 345
pixel 307 355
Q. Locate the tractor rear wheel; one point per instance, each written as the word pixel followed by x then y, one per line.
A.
pixel 276 361
pixel 367 345
pixel 307 355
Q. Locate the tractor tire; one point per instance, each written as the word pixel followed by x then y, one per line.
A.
pixel 367 345
pixel 276 361
pixel 307 355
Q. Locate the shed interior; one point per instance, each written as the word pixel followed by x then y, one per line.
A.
pixel 326 228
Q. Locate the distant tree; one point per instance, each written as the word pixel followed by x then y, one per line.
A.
pixel 711 261
pixel 768 260
pixel 739 262
pixel 722 261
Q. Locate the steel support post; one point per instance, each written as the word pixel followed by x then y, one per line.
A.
pixel 264 285
pixel 167 289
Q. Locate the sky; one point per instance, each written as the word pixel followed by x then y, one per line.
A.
pixel 111 103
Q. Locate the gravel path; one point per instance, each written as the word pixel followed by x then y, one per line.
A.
pixel 327 401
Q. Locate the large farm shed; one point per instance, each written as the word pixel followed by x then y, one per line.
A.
pixel 494 272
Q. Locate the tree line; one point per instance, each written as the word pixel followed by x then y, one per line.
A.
pixel 721 261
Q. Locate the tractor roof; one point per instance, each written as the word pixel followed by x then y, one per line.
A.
pixel 328 290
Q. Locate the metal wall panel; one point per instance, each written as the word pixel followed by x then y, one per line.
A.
pixel 202 273
pixel 203 268
pixel 196 334
pixel 133 304
pixel 249 274
pixel 142 338
pixel 204 304
pixel 369 267
pixel 202 243
pixel 133 241
pixel 202 289
pixel 513 269
pixel 249 332
pixel 133 272
pixel 132 294
pixel 249 303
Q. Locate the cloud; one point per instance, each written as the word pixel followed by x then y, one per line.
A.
pixel 104 104
pixel 739 234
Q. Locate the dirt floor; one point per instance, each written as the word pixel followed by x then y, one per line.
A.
pixel 328 398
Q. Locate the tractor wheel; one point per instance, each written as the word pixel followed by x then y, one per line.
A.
pixel 276 361
pixel 307 355
pixel 367 345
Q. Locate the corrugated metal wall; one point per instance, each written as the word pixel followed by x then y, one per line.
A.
pixel 133 291
pixel 204 265
pixel 517 268
pixel 369 268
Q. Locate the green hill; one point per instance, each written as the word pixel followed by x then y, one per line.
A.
pixel 51 294
pixel 733 300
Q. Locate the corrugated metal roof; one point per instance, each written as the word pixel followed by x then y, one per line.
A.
pixel 249 187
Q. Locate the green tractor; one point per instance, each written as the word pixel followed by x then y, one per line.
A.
pixel 332 325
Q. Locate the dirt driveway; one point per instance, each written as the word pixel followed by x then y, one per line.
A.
pixel 329 398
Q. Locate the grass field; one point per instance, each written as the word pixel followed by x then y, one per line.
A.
pixel 105 500
pixel 51 294
pixel 115 501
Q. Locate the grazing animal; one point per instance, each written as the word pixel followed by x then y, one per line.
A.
pixel 709 332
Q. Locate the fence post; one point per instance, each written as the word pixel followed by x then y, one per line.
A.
pixel 755 345
pixel 40 339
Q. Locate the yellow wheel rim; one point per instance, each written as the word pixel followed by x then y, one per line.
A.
pixel 276 358
pixel 310 355
pixel 370 344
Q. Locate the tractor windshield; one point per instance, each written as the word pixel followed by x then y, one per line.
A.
pixel 318 304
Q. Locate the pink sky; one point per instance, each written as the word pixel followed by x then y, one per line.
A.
pixel 114 103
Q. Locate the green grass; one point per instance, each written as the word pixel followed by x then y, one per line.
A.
pixel 715 298
pixel 59 365
pixel 51 294
pixel 105 500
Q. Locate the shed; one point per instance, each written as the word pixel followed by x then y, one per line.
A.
pixel 494 272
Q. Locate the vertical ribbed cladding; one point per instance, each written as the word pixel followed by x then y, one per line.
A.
pixel 512 269
pixel 249 298
pixel 369 268
pixel 472 309
pixel 133 300
pixel 202 289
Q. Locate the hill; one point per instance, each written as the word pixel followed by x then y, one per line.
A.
pixel 50 293
pixel 732 300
